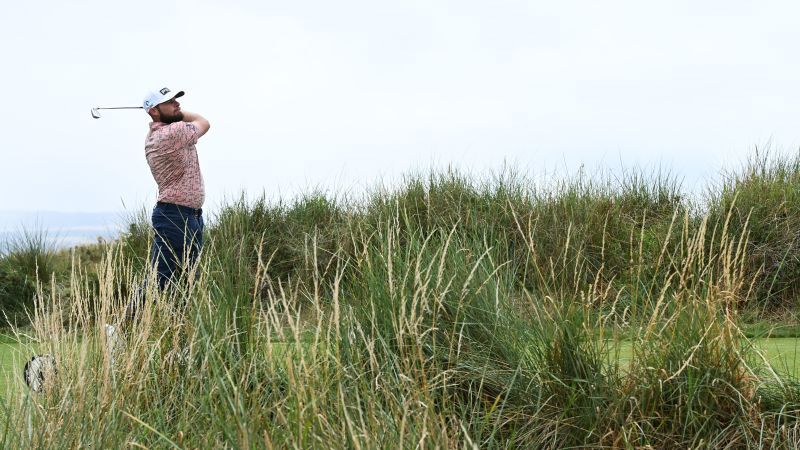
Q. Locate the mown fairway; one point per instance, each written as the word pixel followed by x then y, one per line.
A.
pixel 12 359
pixel 783 354
pixel 7 363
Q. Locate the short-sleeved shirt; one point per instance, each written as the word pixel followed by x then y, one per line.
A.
pixel 172 156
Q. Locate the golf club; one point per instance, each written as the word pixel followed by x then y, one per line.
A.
pixel 96 110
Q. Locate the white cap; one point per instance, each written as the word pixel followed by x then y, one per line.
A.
pixel 155 98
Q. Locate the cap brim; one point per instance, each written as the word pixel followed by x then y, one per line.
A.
pixel 179 94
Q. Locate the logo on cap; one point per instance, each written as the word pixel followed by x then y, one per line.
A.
pixel 164 91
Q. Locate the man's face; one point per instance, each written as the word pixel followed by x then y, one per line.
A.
pixel 170 111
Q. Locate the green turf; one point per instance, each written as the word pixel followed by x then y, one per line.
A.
pixel 11 361
pixel 13 355
pixel 783 353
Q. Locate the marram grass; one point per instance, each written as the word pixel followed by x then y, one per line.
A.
pixel 444 315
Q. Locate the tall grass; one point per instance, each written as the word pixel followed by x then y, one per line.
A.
pixel 764 196
pixel 451 312
pixel 27 257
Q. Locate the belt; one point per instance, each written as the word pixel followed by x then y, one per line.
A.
pixel 197 212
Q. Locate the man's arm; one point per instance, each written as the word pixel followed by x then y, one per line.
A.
pixel 199 121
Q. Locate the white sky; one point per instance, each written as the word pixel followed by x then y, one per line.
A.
pixel 339 95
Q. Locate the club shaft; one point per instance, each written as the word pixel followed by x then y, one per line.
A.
pixel 122 107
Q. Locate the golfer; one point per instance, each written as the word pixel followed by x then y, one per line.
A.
pixel 178 216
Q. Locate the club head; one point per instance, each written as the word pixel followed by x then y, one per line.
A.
pixel 95 113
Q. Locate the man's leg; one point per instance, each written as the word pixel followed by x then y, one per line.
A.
pixel 176 249
pixel 166 254
pixel 194 233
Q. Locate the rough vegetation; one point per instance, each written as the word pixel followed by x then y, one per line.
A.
pixel 449 312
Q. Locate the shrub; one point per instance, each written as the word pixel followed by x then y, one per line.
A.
pixel 763 199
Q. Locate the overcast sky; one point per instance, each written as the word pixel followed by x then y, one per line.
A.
pixel 339 95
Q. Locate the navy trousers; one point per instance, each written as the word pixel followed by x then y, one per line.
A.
pixel 176 248
pixel 178 240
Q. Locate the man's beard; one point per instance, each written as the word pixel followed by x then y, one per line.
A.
pixel 171 119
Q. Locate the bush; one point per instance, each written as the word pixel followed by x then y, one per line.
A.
pixel 763 199
pixel 29 258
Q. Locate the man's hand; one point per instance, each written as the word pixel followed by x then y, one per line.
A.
pixel 199 121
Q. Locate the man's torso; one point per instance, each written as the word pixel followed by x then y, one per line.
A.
pixel 172 157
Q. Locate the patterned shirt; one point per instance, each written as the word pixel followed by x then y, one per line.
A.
pixel 172 156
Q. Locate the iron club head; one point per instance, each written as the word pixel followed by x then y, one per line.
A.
pixel 95 113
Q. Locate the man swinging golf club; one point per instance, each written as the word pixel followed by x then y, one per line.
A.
pixel 177 217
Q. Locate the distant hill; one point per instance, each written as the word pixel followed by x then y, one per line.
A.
pixel 62 229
